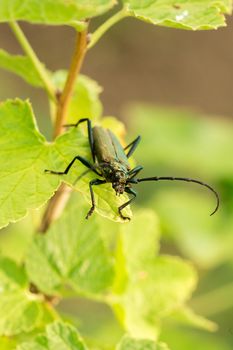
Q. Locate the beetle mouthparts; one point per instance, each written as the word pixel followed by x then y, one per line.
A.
pixel 119 188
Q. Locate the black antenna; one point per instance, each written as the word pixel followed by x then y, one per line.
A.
pixel 170 178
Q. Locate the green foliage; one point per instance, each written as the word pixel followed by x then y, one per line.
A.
pixel 117 266
pixel 150 287
pixel 85 99
pixel 50 12
pixel 25 155
pixel 188 144
pixel 22 66
pixel 11 276
pixel 128 343
pixel 186 14
pixel 72 253
pixel 22 170
pixel 21 311
pixel 58 335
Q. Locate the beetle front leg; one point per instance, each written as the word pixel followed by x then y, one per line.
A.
pixel 132 146
pixel 132 173
pixel 90 134
pixel 130 191
pixel 92 183
pixel 81 159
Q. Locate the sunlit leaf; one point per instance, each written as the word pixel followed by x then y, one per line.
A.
pixel 20 65
pixel 185 14
pixel 72 253
pixel 53 12
pixel 25 155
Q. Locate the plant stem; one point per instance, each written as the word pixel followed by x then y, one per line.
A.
pixel 65 97
pixel 105 26
pixel 34 59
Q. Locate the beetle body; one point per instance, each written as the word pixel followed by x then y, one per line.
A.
pixel 111 159
pixel 110 163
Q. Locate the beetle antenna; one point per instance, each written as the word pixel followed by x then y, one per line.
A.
pixel 80 176
pixel 170 178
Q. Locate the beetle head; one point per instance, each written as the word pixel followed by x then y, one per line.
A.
pixel 116 173
pixel 119 181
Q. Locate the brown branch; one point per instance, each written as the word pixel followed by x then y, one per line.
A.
pixel 59 200
pixel 55 207
pixel 65 97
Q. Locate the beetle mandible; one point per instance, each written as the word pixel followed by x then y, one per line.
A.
pixel 110 162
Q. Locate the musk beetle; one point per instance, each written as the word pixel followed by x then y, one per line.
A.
pixel 110 162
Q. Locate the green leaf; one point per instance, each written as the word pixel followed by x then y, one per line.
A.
pixel 25 155
pixel 128 343
pixel 12 277
pixel 138 252
pixel 185 14
pixel 53 12
pixel 59 335
pixel 154 286
pixel 72 252
pixel 21 311
pixel 20 65
pixel 154 292
pixel 85 100
pixel 186 316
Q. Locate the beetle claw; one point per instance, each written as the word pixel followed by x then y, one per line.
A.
pixel 90 212
pixel 124 217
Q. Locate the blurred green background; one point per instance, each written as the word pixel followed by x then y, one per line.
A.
pixel 174 88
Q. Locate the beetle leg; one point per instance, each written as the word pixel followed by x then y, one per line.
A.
pixel 133 145
pixel 81 159
pixel 132 173
pixel 90 133
pixel 92 183
pixel 130 191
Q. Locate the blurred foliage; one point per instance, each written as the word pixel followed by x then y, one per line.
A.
pixel 183 143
